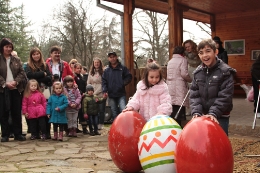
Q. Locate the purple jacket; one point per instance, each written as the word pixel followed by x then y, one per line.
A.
pixel 77 98
pixel 34 105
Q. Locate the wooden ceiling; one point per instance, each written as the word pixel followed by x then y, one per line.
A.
pixel 198 10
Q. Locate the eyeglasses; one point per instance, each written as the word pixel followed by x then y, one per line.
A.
pixel 73 63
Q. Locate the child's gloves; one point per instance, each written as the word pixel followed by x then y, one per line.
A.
pixel 85 116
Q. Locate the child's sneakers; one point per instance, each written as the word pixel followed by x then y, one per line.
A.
pixel 43 137
pixel 33 137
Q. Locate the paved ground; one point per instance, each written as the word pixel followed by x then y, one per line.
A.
pixel 89 153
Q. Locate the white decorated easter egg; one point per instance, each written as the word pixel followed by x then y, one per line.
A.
pixel 156 146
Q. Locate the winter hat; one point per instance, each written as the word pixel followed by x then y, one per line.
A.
pixel 89 88
pixel 217 40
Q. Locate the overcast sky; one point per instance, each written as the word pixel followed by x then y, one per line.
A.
pixel 37 11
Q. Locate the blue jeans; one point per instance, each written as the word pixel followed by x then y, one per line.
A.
pixel 117 104
pixel 93 120
pixel 224 122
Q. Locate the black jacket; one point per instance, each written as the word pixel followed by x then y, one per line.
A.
pixel 39 75
pixel 212 90
pixel 115 79
pixel 222 54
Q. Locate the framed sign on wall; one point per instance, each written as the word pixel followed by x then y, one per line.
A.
pixel 235 47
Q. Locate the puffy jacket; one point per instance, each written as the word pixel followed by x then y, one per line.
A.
pixel 90 104
pixel 34 105
pixel 17 71
pixel 212 90
pixel 77 97
pixel 61 102
pixel 177 78
pixel 151 101
pixel 115 79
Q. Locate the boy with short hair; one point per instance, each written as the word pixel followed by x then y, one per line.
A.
pixel 212 87
pixel 91 109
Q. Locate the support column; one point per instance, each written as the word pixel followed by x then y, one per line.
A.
pixel 172 20
pixel 213 25
pixel 129 6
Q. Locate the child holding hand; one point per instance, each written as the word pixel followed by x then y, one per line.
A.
pixel 34 108
pixel 91 109
pixel 74 99
pixel 152 96
pixel 56 107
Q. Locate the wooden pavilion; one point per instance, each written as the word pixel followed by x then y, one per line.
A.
pixel 229 19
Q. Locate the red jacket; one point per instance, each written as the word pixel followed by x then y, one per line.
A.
pixel 64 67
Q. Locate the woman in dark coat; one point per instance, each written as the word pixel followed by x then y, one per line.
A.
pixel 255 73
pixel 222 53
pixel 12 83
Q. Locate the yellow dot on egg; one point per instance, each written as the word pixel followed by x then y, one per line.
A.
pixel 174 132
pixel 157 134
pixel 144 137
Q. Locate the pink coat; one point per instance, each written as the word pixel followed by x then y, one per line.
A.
pixel 177 78
pixel 151 101
pixel 34 105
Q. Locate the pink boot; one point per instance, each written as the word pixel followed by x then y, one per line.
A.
pixel 61 136
pixel 55 136
pixel 74 132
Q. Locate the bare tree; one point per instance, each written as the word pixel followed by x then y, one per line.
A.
pixel 152 35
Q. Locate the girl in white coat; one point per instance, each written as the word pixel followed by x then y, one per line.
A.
pixel 152 96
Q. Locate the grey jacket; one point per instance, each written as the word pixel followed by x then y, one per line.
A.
pixel 212 90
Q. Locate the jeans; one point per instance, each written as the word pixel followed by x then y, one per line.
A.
pixel 224 122
pixel 35 123
pixel 93 119
pixel 101 114
pixel 117 105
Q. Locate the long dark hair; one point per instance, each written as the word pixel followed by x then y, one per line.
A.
pixel 150 67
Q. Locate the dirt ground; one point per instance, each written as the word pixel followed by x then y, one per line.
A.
pixel 246 152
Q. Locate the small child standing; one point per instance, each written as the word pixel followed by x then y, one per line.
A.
pixel 57 104
pixel 152 96
pixel 74 99
pixel 90 109
pixel 34 108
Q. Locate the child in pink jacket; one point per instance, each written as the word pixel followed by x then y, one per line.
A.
pixel 152 96
pixel 34 108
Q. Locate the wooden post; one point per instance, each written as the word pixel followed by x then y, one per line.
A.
pixel 172 20
pixel 129 6
pixel 213 25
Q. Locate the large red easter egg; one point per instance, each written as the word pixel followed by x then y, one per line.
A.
pixel 203 147
pixel 123 141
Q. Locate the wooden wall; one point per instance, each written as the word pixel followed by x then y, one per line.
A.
pixel 242 25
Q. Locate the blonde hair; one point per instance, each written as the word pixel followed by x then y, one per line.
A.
pixel 27 91
pixel 55 84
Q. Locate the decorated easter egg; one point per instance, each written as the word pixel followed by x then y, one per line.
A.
pixel 123 141
pixel 156 146
pixel 203 147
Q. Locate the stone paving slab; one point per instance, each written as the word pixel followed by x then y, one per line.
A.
pixel 7 167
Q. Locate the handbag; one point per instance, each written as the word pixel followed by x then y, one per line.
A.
pixel 46 92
